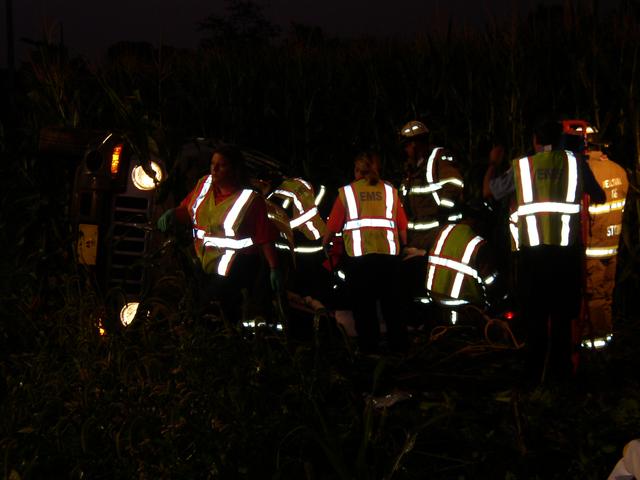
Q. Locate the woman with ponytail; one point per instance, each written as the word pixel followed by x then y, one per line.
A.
pixel 372 220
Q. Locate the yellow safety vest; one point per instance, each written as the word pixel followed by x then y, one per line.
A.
pixel 370 218
pixel 306 218
pixel 215 226
pixel 606 218
pixel 548 188
pixel 451 268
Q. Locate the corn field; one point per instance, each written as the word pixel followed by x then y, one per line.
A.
pixel 176 398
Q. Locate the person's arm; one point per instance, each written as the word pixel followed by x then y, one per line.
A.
pixel 493 185
pixel 591 185
pixel 335 222
pixel 270 254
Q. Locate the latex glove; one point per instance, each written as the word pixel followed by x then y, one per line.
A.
pixel 166 220
pixel 275 276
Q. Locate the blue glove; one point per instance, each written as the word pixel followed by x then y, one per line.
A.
pixel 275 276
pixel 166 220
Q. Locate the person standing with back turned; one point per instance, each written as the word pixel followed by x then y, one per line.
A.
pixel 374 225
pixel 549 185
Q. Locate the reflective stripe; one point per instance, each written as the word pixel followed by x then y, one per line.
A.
pixel 532 230
pixel 525 180
pixel 466 257
pixel 224 242
pixel 369 223
pixel 600 252
pixel 572 187
pixel 320 195
pixel 430 162
pixel 515 235
pixel 566 230
pixel 224 262
pixel 433 187
pixel 232 216
pixel 351 202
pixel 392 242
pixel 307 249
pixel 357 243
pixel 600 208
pixel 304 218
pixel 446 203
pixel 454 265
pixel 424 189
pixel 314 231
pixel 548 207
pixel 442 237
pixel 423 226
pixel 388 200
pixel 203 192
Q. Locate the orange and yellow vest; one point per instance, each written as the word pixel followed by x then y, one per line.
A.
pixel 370 218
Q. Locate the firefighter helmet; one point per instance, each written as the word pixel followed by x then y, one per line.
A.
pixel 413 129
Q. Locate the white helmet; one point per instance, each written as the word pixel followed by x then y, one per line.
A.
pixel 412 129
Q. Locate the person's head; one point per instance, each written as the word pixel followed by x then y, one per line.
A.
pixel 414 139
pixel 228 167
pixel 367 165
pixel 547 133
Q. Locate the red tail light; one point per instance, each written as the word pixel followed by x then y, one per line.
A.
pixel 509 315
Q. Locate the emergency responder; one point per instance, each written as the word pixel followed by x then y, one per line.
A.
pixel 432 187
pixel 548 185
pixel 431 191
pixel 297 197
pixel 369 214
pixel 230 229
pixel 461 267
pixel 602 242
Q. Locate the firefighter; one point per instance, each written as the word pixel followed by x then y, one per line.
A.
pixel 431 192
pixel 230 229
pixel 369 214
pixel 603 237
pixel 432 185
pixel 547 236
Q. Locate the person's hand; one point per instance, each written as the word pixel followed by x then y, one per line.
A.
pixel 166 220
pixel 496 156
pixel 275 277
pixel 410 252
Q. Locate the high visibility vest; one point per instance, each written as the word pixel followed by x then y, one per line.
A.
pixel 452 266
pixel 279 218
pixel 215 226
pixel 606 218
pixel 548 192
pixel 306 218
pixel 370 220
pixel 438 184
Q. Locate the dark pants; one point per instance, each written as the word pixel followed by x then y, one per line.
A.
pixel 372 278
pixel 549 286
pixel 248 273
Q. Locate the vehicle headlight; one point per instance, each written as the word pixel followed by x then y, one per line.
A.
pixel 128 313
pixel 142 181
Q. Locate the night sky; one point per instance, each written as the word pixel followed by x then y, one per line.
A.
pixel 89 27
